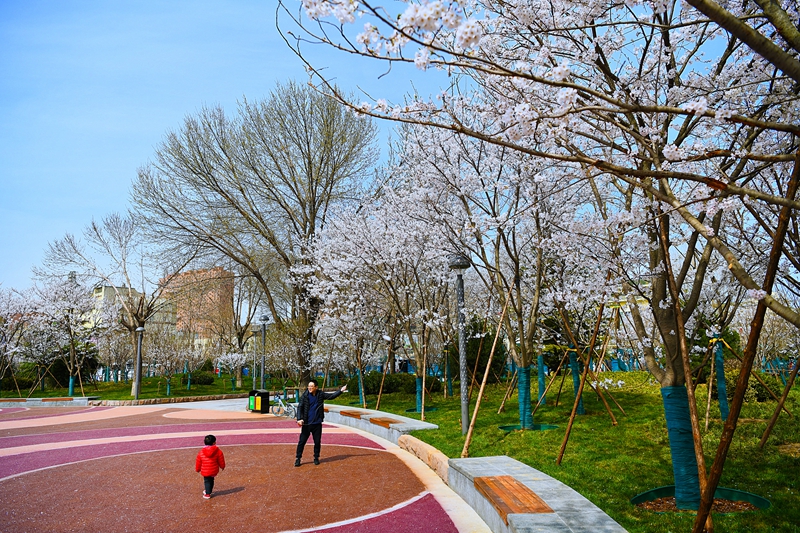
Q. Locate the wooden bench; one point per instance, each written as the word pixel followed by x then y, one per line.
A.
pixel 509 496
pixel 16 400
pixel 383 421
pixel 68 399
pixel 351 414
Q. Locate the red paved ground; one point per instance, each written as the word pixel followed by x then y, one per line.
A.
pixel 136 473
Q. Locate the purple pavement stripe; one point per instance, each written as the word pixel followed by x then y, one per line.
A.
pixel 29 440
pixel 18 464
pixel 422 516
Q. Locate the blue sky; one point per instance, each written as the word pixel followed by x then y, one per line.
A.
pixel 88 89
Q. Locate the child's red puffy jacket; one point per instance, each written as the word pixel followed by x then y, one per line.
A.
pixel 209 461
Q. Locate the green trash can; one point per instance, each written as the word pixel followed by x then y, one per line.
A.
pixel 258 401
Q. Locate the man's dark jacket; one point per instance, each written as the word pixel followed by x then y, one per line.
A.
pixel 302 408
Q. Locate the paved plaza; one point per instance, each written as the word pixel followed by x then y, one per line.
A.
pixel 131 468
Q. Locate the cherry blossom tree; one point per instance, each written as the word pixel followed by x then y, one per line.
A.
pixel 114 350
pixel 381 258
pixel 14 312
pixel 69 311
pixel 42 347
pixel 116 256
pixel 233 362
pixel 168 351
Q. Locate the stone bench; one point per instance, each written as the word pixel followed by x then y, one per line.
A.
pixel 66 401
pixel 571 512
pixel 375 422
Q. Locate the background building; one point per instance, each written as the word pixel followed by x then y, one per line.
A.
pixel 203 302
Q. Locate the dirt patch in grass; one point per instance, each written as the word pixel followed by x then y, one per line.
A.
pixel 791 449
pixel 720 505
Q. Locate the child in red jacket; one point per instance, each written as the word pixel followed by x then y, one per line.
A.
pixel 210 461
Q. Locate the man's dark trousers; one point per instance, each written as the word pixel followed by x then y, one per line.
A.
pixel 309 429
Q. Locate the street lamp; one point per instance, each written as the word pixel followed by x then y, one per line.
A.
pixel 264 322
pixel 138 377
pixel 460 263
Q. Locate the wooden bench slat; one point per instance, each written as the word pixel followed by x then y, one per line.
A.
pixel 383 421
pixel 351 414
pixel 510 496
pixel 67 399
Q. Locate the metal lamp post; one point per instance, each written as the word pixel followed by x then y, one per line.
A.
pixel 264 322
pixel 138 377
pixel 460 263
pixel 253 369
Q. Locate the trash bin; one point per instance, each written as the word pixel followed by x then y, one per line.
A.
pixel 258 401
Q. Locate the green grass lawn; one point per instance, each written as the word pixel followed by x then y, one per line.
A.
pixel 611 464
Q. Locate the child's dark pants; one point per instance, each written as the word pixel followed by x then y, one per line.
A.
pixel 208 481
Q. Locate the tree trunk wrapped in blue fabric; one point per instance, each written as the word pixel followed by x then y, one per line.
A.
pixel 722 392
pixel 681 445
pixel 524 386
pixel 419 394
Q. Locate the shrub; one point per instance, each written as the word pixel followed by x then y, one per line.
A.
pixel 399 382
pixel 25 383
pixel 756 392
pixel 199 378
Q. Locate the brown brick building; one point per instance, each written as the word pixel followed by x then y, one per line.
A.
pixel 203 302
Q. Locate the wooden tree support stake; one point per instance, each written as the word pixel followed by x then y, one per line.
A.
pixel 586 364
pixel 509 392
pixel 777 412
pixel 583 379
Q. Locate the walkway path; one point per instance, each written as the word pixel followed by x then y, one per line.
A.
pixel 118 469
